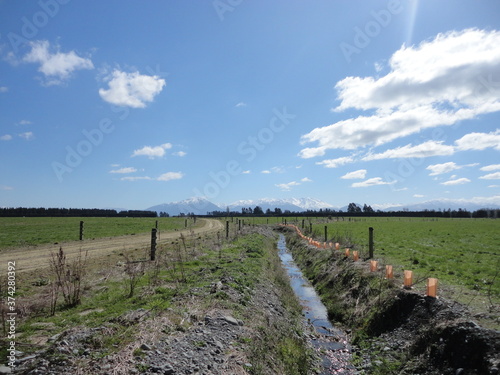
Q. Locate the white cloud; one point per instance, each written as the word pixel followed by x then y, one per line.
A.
pixel 288 186
pixel 488 168
pixel 418 195
pixel 439 82
pixel 131 89
pixel 372 182
pixel 423 150
pixel 246 172
pixel 360 173
pixel 266 171
pixel 4 89
pixel 437 169
pixel 334 163
pixel 479 141
pixel 305 179
pixel 241 104
pixel 493 186
pixel 273 170
pixel 56 66
pixel 170 176
pixel 6 137
pixel 180 153
pixel 24 122
pixel 27 135
pixel 152 151
pixel 457 181
pixel 6 188
pixel 491 176
pixel 129 178
pixel 124 170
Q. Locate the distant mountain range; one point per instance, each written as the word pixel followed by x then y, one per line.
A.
pixel 202 206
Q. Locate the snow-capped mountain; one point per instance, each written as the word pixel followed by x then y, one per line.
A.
pixel 445 204
pixel 202 206
pixel 195 205
pixel 291 204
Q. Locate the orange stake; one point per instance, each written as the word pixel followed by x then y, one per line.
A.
pixel 373 265
pixel 432 284
pixel 408 279
pixel 355 255
pixel 347 253
pixel 388 272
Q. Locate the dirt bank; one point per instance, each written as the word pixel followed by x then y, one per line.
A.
pixel 397 331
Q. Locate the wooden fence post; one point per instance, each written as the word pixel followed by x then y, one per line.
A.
pixel 370 242
pixel 326 233
pixel 227 228
pixel 81 230
pixel 153 244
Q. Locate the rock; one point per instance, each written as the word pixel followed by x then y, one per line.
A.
pixel 146 347
pixel 231 320
pixel 5 370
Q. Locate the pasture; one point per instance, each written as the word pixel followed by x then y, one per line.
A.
pixel 28 231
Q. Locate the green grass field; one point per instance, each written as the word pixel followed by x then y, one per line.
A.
pixel 27 231
pixel 461 252
pixel 458 251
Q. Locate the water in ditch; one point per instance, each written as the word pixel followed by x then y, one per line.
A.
pixel 330 342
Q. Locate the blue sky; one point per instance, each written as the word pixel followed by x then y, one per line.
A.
pixel 130 104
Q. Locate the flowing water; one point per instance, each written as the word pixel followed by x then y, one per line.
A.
pixel 330 342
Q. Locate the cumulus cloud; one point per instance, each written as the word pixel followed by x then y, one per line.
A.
pixel 6 137
pixel 56 66
pixel 27 135
pixel 170 176
pixel 124 170
pixel 180 153
pixel 423 150
pixel 334 163
pixel 439 82
pixel 491 176
pixel 241 104
pixel 152 151
pixel 164 177
pixel 135 178
pixel 288 186
pixel 479 141
pixel 437 169
pixel 456 181
pixel 372 182
pixel 488 168
pixel 360 173
pixel 131 89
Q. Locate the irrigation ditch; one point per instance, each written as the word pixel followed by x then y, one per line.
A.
pixel 393 330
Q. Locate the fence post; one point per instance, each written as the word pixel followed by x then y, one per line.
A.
pixel 326 233
pixel 156 225
pixel 370 242
pixel 153 244
pixel 81 230
pixel 239 224
pixel 227 228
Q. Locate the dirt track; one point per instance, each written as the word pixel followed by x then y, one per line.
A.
pixel 37 257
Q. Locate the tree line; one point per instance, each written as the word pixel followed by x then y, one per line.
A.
pixel 72 212
pixel 355 210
